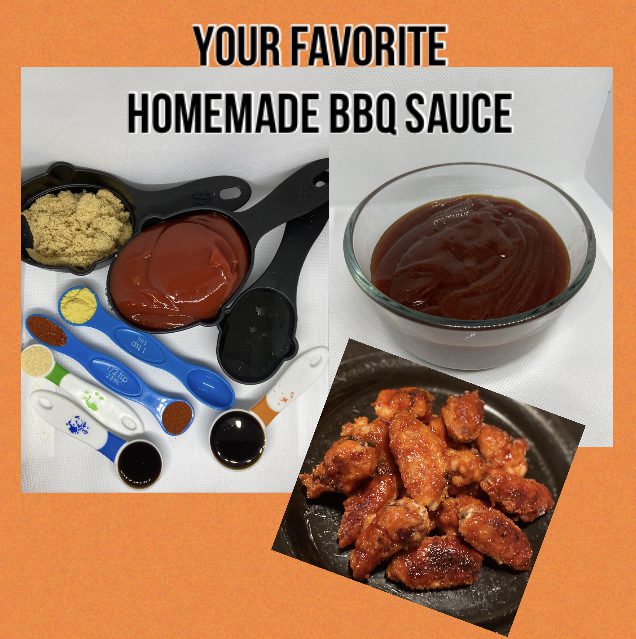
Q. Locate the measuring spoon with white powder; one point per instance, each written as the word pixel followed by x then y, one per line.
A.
pixel 112 412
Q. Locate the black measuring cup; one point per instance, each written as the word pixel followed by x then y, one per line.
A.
pixel 301 193
pixel 141 203
pixel 257 334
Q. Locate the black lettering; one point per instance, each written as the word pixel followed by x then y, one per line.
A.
pixel 502 112
pixel 434 45
pixel 437 114
pixel 339 118
pixel 417 123
pixel 297 44
pixel 203 42
pixel 135 112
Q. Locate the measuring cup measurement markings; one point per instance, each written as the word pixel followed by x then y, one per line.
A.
pixel 138 462
pixel 257 334
pixel 300 194
pixel 205 384
pixel 109 410
pixel 144 204
pixel 109 372
pixel 237 437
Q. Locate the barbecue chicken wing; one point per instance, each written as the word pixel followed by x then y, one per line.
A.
pixel 421 458
pixel 369 499
pixel 346 464
pixel 517 496
pixel 492 533
pixel 391 401
pixel 463 417
pixel 439 562
pixel 399 525
pixel 501 450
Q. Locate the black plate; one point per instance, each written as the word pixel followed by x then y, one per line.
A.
pixel 309 528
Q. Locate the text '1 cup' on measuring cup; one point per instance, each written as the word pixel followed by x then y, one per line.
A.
pixel 237 437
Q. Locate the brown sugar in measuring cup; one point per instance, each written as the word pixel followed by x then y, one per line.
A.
pixel 46 331
pixel 176 417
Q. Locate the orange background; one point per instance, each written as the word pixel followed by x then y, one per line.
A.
pixel 201 565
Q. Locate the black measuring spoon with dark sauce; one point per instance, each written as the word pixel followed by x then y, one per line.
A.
pixel 258 333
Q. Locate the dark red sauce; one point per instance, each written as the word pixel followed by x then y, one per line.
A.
pixel 179 272
pixel 471 257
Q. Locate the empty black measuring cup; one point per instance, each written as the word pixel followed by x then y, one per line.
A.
pixel 162 309
pixel 143 203
pixel 257 333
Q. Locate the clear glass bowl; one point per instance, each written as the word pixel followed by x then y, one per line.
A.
pixel 467 344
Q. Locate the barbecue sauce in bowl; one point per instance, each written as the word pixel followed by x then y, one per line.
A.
pixel 473 257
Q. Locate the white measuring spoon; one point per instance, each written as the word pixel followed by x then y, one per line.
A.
pixel 107 409
pixel 138 462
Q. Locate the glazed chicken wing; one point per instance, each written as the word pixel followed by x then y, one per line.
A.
pixel 492 533
pixel 437 426
pixel 463 417
pixel 439 562
pixel 466 466
pixel 421 458
pixel 517 496
pixel 377 434
pixel 501 450
pixel 409 399
pixel 446 517
pixel 346 464
pixel 399 525
pixel 369 499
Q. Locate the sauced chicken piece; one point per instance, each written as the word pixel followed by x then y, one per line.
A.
pixel 466 466
pixel 398 526
pixel 499 449
pixel 517 496
pixel 437 426
pixel 463 417
pixel 492 533
pixel 421 458
pixel 346 464
pixel 439 562
pixel 377 434
pixel 411 399
pixel 446 517
pixel 369 499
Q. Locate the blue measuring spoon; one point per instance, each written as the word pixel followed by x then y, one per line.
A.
pixel 109 372
pixel 208 387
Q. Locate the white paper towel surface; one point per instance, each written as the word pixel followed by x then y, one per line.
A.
pixel 80 116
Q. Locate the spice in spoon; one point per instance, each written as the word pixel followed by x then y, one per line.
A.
pixel 176 417
pixel 46 331
pixel 78 305
pixel 37 360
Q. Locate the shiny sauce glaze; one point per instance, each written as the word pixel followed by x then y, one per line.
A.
pixel 471 257
pixel 176 273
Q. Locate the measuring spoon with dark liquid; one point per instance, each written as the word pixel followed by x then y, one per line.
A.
pixel 237 437
pixel 138 462
pixel 258 333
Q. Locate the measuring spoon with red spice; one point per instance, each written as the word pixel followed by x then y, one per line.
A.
pixel 174 415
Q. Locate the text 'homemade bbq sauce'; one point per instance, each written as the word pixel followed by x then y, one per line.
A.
pixel 179 272
pixel 471 257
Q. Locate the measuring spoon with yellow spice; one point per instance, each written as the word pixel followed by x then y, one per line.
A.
pixel 80 306
pixel 38 361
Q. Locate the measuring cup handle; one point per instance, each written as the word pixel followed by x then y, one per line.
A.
pixel 296 379
pixel 68 418
pixel 222 192
pixel 301 193
pixel 283 272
